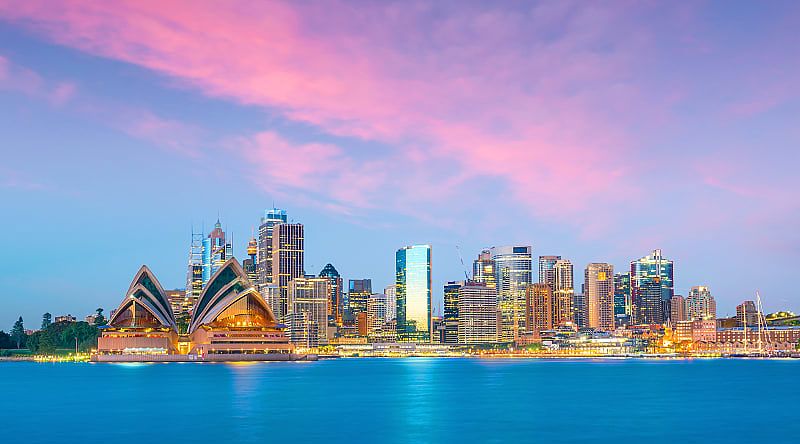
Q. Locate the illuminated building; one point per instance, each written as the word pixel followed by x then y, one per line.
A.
pixel 622 298
pixel 698 330
pixel 391 302
pixel 700 304
pixel 215 252
pixel 580 309
pixel 335 300
pixel 563 293
pixel 358 292
pixel 376 315
pixel 539 307
pixel 746 313
pixel 287 261
pixel 477 314
pixel 65 318
pixel 194 272
pixel 271 218
pixel 143 322
pixel 677 306
pixel 250 263
pixel 413 287
pixel 179 303
pixel 599 291
pixel 450 317
pixel 308 310
pixel 651 288
pixel 547 270
pixel 513 274
pixel 483 269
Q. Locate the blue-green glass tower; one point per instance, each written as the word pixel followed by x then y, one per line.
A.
pixel 413 281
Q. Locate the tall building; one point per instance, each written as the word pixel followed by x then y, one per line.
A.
pixel 413 282
pixel 513 270
pixel 747 314
pixel 308 310
pixel 580 309
pixel 358 292
pixel 547 270
pixel 335 300
pixel 477 314
pixel 450 316
pixel 651 288
pixel 700 304
pixel 599 291
pixel 287 261
pixel 376 315
pixel 563 293
pixel 271 218
pixel 249 265
pixel 622 298
pixel 677 307
pixel 194 272
pixel 539 307
pixel 483 269
pixel 391 302
pixel 216 251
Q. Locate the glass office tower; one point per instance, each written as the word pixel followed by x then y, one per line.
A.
pixel 513 269
pixel 652 288
pixel 413 282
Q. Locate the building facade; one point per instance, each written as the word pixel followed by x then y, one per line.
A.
pixel 413 287
pixel 677 306
pixel 563 293
pixel 700 304
pixel 652 288
pixel 287 261
pixel 513 274
pixel 484 270
pixel 308 313
pixel 450 316
pixel 271 218
pixel 539 307
pixel 335 300
pixel 622 299
pixel 216 251
pixel 477 314
pixel 599 290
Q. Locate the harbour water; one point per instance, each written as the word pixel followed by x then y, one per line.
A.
pixel 403 400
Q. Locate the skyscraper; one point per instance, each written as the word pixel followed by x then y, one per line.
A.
pixel 358 292
pixel 391 302
pixel 376 315
pixel 547 270
pixel 336 302
pixel 539 307
pixel 700 304
pixel 308 310
pixel 651 288
pixel 477 314
pixel 215 252
pixel 677 306
pixel 599 293
pixel 271 218
pixel 563 293
pixel 249 265
pixel 622 298
pixel 450 317
pixel 287 261
pixel 483 269
pixel 413 281
pixel 194 272
pixel 513 270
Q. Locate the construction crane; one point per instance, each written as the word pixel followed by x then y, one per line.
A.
pixel 466 275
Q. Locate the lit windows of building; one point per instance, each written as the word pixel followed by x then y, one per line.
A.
pixel 513 266
pixel 413 287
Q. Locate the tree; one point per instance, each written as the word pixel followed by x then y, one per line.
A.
pixel 100 320
pixel 47 319
pixel 5 340
pixel 18 332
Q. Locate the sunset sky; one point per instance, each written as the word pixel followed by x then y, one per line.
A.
pixel 594 130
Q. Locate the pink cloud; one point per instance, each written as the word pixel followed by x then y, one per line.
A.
pixel 18 78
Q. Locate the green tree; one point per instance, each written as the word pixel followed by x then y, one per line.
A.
pixel 5 340
pixel 47 343
pixel 33 341
pixel 47 319
pixel 100 320
pixel 18 332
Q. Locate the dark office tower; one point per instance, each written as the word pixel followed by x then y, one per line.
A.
pixel 358 293
pixel 249 264
pixel 335 301
pixel 622 299
pixel 483 269
pixel 652 288
pixel 580 309
pixel 287 261
pixel 450 317
pixel 547 270
pixel 271 218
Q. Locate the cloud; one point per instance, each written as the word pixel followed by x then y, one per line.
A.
pixel 23 80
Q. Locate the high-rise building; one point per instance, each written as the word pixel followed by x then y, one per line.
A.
pixel 622 298
pixel 391 302
pixel 215 252
pixel 450 317
pixel 194 273
pixel 599 291
pixel 700 304
pixel 483 269
pixel 747 314
pixel 677 306
pixel 358 292
pixel 477 314
pixel 249 265
pixel 287 261
pixel 539 307
pixel 513 270
pixel 376 315
pixel 413 282
pixel 308 310
pixel 580 308
pixel 336 302
pixel 547 270
pixel 651 288
pixel 271 218
pixel 563 293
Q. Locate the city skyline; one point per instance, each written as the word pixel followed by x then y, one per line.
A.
pixel 596 134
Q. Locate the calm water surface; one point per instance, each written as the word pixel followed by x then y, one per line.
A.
pixel 403 400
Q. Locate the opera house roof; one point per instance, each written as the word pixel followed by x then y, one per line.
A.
pixel 145 304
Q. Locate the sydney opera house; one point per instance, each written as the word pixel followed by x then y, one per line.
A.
pixel 230 321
